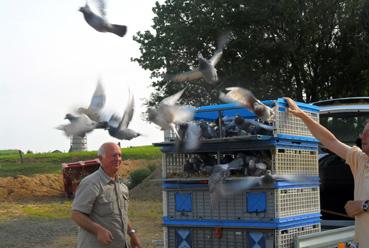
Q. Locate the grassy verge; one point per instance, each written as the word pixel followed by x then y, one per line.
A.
pixel 51 162
pixel 139 152
pixel 27 169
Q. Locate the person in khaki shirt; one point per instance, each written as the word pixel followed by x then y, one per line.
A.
pixel 100 207
pixel 357 159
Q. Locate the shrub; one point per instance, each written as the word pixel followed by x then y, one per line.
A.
pixel 137 176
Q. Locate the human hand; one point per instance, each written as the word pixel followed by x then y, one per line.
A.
pixel 104 236
pixel 135 242
pixel 354 208
pixel 293 108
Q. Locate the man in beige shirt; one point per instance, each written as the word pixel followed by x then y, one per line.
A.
pixel 358 161
pixel 100 207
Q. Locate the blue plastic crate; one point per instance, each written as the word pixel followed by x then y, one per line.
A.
pixel 193 235
pixel 280 203
pixel 283 123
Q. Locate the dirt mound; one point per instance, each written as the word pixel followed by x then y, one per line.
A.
pixel 23 187
pixel 51 185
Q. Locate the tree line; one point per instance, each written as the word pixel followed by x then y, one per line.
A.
pixel 305 49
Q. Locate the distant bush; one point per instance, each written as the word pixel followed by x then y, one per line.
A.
pixel 137 176
pixel 151 167
pixel 29 152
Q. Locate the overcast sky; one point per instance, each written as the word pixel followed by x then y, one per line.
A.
pixel 50 61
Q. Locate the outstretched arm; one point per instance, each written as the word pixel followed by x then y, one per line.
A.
pixel 320 132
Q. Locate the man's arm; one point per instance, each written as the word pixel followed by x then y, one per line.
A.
pixel 103 235
pixel 135 242
pixel 320 132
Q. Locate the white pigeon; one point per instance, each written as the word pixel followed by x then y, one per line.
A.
pixel 206 67
pixel 247 99
pixel 98 20
pixel 118 127
pixel 167 115
pixel 97 103
pixel 80 125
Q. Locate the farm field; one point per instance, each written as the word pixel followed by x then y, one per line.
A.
pixel 34 211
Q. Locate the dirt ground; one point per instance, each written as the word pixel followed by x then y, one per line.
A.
pixel 33 232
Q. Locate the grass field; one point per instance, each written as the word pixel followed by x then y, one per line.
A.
pixel 39 163
pixel 139 152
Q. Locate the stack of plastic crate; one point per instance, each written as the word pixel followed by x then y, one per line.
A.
pixel 264 216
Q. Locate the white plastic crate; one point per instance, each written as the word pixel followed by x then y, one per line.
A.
pixel 219 237
pixel 192 202
pixel 284 161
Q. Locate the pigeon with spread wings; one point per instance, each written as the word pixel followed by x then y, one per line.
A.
pixel 97 103
pixel 80 125
pixel 206 67
pixel 118 127
pixel 168 114
pixel 98 20
pixel 247 99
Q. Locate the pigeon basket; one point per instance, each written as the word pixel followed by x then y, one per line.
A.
pixel 177 236
pixel 283 124
pixel 287 157
pixel 283 203
pixel 74 172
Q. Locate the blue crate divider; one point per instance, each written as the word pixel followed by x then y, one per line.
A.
pixel 256 202
pixel 281 202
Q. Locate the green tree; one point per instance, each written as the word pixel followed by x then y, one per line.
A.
pixel 306 49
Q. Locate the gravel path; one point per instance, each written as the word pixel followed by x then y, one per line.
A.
pixel 37 232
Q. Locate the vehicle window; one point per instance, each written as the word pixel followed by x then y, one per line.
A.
pixel 346 128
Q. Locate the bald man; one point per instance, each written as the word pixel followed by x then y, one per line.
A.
pixel 100 207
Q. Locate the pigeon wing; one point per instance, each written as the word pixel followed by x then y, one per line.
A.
pixel 100 7
pixel 171 100
pixel 114 120
pixel 128 113
pixel 185 76
pixel 98 99
pixel 216 57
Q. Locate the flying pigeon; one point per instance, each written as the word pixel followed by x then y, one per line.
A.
pixel 97 103
pixel 118 127
pixel 189 137
pixel 168 114
pixel 219 173
pixel 80 125
pixel 99 22
pixel 232 187
pixel 247 99
pixel 206 67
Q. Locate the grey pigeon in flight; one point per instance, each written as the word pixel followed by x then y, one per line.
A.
pixel 118 127
pixel 80 125
pixel 99 21
pixel 219 173
pixel 247 99
pixel 168 114
pixel 231 187
pixel 206 67
pixel 97 103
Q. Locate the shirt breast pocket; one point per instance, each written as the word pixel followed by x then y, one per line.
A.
pixel 104 206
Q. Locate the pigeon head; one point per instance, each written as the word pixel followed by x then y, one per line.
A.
pixel 69 117
pixel 102 124
pixel 85 9
pixel 238 120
